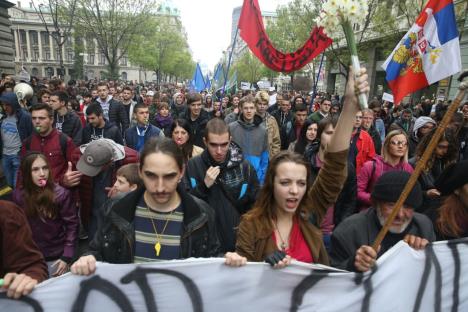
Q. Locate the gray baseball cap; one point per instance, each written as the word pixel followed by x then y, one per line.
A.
pixel 97 154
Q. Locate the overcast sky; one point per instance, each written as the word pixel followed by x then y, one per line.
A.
pixel 208 25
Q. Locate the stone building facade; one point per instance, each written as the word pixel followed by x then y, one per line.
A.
pixel 6 40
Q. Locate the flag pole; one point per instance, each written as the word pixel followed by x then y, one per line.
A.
pixel 425 157
pixel 226 75
pixel 316 83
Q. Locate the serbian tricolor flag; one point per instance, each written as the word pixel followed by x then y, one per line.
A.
pixel 429 52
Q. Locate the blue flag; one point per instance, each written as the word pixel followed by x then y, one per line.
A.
pixel 208 82
pixel 218 78
pixel 216 75
pixel 198 82
pixel 217 72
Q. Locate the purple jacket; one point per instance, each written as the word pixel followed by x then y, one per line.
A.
pixel 368 176
pixel 56 238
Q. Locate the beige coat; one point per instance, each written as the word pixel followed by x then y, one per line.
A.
pixel 255 243
pixel 274 140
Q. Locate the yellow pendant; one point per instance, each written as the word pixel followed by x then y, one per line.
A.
pixel 157 248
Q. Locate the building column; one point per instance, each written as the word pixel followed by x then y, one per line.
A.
pixel 17 45
pixel 85 51
pixel 39 43
pixel 28 45
pixel 97 53
pixel 52 48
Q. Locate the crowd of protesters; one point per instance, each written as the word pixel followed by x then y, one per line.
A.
pixel 139 173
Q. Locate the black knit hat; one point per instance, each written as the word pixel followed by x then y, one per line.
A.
pixel 453 177
pixel 391 184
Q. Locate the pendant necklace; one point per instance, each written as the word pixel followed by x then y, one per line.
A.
pixel 284 243
pixel 157 245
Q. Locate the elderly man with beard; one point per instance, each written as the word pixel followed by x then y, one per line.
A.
pixel 352 239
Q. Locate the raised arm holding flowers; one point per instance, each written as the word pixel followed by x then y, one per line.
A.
pixel 344 13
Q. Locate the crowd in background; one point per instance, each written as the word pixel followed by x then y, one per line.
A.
pixel 226 175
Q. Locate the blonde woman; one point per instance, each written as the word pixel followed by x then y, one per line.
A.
pixel 394 157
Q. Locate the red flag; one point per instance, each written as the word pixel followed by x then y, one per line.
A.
pixel 253 32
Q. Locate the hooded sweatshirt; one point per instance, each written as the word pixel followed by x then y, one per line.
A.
pixel 253 140
pixel 110 131
pixel 414 138
pixel 23 121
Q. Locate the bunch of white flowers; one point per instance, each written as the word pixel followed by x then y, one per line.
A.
pixel 344 13
pixel 336 13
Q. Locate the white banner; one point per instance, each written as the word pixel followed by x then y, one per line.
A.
pixel 403 280
pixel 387 97
pixel 245 86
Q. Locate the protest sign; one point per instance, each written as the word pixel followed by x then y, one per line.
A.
pixel 404 279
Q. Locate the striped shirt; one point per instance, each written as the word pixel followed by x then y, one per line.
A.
pixel 146 238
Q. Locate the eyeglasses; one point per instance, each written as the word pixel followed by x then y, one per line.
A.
pixel 398 143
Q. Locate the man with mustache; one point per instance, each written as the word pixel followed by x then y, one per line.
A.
pixel 352 239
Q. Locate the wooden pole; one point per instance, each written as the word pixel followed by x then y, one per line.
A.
pixel 425 157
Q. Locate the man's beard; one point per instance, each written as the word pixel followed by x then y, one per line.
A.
pixel 393 229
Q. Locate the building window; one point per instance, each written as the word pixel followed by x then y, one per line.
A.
pixel 35 55
pixel 49 71
pixel 47 55
pixel 34 38
pixel 102 59
pixel 70 56
pixel 35 72
pixel 45 38
pixel 24 52
pixel 124 61
pixel 124 76
pixel 22 37
pixel 90 44
pixel 61 72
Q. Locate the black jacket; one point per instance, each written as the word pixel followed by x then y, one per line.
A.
pixel 118 115
pixel 412 145
pixel 427 181
pixel 114 241
pixel 362 229
pixel 178 111
pixel 197 127
pixel 71 126
pixel 110 131
pixel 286 126
pixel 233 193
pixel 375 135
